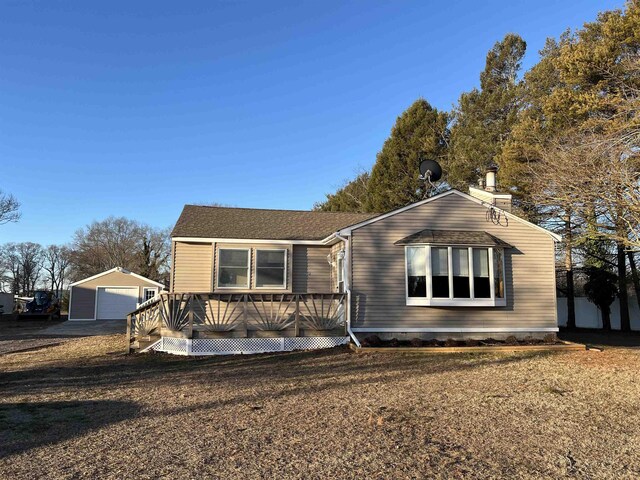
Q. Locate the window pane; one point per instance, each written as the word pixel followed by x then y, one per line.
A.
pixel 460 262
pixel 417 286
pixel 498 260
pixel 233 277
pixel 234 258
pixel 266 277
pixel 340 269
pixel 480 262
pixel 440 272
pixel 481 280
pixel 439 261
pixel 270 258
pixel 417 261
pixel 417 271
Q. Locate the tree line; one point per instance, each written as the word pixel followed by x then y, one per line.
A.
pixel 100 246
pixel 566 138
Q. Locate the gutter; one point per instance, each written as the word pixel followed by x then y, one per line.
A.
pixel 347 283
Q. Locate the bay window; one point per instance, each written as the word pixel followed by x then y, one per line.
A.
pixel 455 276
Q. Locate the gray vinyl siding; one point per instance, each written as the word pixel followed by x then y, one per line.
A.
pixel 311 270
pixel 378 271
pixel 192 267
pixel 83 296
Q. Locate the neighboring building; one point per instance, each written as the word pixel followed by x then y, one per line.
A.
pixel 6 303
pixel 110 295
pixel 454 265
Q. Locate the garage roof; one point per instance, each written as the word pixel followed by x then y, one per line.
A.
pixel 116 269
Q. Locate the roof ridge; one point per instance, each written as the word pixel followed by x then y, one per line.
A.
pixel 277 210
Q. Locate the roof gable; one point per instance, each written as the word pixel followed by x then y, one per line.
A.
pixel 508 215
pixel 116 269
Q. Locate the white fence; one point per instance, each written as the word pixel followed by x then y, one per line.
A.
pixel 589 316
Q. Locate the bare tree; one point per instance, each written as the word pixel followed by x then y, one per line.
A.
pixel 113 242
pixel 120 242
pixel 12 266
pixel 595 177
pixel 57 263
pixel 30 260
pixel 155 254
pixel 9 208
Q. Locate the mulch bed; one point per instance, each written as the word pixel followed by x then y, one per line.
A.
pixel 375 342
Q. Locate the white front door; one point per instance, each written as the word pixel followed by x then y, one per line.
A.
pixel 115 303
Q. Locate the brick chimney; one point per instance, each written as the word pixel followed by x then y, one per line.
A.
pixel 487 190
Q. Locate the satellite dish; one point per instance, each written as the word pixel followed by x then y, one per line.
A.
pixel 430 170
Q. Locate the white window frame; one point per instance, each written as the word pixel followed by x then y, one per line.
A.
pixel 429 301
pixel 148 289
pixel 340 264
pixel 218 269
pixel 255 269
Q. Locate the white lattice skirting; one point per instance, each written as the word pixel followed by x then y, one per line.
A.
pixel 236 346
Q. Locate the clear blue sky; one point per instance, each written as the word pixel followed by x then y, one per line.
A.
pixel 136 108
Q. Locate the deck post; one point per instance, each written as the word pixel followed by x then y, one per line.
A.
pixel 129 333
pixel 245 314
pixel 190 317
pixel 297 321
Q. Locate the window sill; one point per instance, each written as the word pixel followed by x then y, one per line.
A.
pixel 456 302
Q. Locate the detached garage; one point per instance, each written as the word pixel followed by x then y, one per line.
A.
pixel 110 295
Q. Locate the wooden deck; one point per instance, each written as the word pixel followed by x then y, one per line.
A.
pixel 237 316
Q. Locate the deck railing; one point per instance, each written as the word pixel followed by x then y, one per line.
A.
pixel 219 315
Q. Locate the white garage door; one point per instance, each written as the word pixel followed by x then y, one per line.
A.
pixel 116 302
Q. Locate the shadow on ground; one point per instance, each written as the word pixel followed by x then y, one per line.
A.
pixel 27 425
pixel 599 337
pixel 291 374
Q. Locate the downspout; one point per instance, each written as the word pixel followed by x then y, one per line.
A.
pixel 346 265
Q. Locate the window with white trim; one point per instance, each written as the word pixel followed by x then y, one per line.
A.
pixel 233 268
pixel 271 268
pixel 148 293
pixel 340 272
pixel 455 276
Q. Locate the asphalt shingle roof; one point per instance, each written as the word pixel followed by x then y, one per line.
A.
pixel 453 237
pixel 250 223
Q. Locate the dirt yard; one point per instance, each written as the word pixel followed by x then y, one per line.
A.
pixel 82 409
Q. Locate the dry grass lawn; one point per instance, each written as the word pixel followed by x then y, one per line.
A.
pixel 84 410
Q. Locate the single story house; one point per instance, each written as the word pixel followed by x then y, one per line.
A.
pixel 454 265
pixel 110 295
